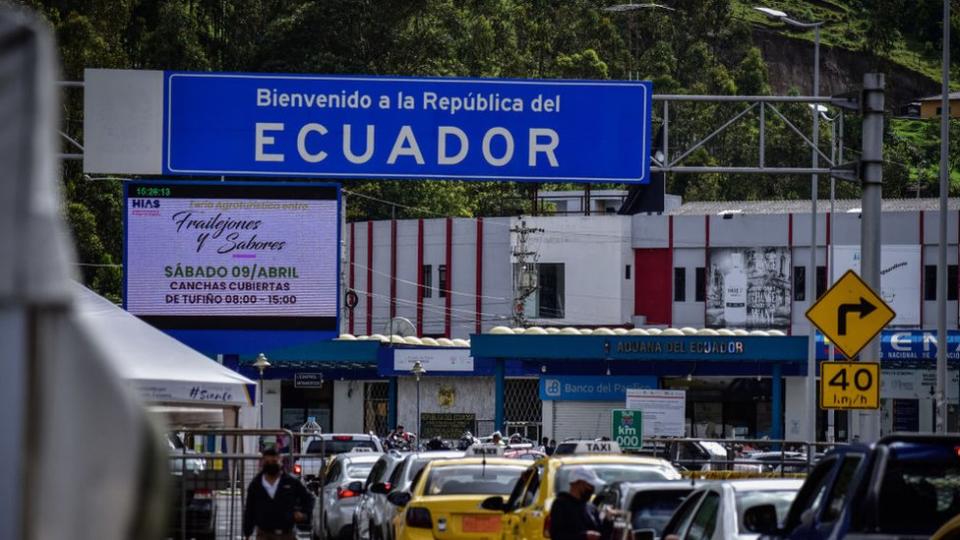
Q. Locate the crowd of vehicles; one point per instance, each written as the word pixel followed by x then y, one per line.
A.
pixel 903 486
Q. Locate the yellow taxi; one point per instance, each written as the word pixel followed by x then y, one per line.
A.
pixel 526 512
pixel 445 496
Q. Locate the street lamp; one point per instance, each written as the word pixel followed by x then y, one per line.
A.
pixel 418 372
pixel 836 156
pixel 811 387
pixel 261 364
pixel 621 8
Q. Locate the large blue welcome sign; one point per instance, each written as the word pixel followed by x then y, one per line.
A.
pixel 378 127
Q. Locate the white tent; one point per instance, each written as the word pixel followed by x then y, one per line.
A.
pixel 159 368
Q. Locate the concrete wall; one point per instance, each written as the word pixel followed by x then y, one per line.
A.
pixel 271 403
pixel 795 423
pixel 594 251
pixel 348 406
pixel 471 395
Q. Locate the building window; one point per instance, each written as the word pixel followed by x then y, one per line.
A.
pixel 551 291
pixel 930 282
pixel 427 280
pixel 679 284
pixel 821 280
pixel 442 280
pixel 799 283
pixel 626 273
pixel 700 294
pixel 952 282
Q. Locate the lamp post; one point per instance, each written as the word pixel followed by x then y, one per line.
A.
pixel 811 386
pixel 836 156
pixel 261 364
pixel 418 372
pixel 941 396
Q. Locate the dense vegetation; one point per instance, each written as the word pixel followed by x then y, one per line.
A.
pixel 701 46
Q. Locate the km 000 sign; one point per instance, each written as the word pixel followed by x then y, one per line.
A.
pixel 850 385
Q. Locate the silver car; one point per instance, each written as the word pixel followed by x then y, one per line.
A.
pixel 342 486
pixel 733 509
pixel 381 527
pixel 368 512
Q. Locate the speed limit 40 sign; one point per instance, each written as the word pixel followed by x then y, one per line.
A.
pixel 850 385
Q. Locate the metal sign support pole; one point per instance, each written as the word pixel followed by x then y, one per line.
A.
pixel 871 174
pixel 941 395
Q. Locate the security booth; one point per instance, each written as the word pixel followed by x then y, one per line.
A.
pixel 736 386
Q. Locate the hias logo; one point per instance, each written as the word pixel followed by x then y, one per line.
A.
pixel 145 203
pixel 551 387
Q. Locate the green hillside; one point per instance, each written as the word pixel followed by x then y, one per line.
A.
pixel 902 31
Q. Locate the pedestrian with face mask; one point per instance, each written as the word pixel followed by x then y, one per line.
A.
pixel 276 501
pixel 572 515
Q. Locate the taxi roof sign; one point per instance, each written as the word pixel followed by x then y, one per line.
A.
pixel 488 450
pixel 587 447
pixel 850 314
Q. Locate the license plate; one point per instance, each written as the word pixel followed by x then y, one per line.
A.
pixel 480 524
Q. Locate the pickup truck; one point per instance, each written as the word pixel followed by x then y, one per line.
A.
pixel 312 465
pixel 903 486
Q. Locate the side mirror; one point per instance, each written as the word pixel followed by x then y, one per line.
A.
pixel 494 503
pixel 644 534
pixel 806 518
pixel 761 519
pixel 356 486
pixel 399 498
pixel 380 488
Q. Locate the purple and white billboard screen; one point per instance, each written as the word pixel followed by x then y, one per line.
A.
pixel 232 255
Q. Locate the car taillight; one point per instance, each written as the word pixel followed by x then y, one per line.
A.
pixel 344 493
pixel 546 527
pixel 419 517
pixel 387 486
pixel 202 494
pixel 297 469
pixel 342 438
pixel 956 450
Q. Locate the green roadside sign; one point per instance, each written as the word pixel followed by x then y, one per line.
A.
pixel 627 428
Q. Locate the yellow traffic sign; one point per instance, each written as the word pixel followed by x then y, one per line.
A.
pixel 849 385
pixel 850 314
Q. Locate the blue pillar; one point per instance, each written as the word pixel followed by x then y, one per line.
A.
pixel 498 395
pixel 776 383
pixel 391 404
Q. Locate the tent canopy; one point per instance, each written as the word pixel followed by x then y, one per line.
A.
pixel 159 368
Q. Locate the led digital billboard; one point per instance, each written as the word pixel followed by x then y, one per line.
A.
pixel 232 255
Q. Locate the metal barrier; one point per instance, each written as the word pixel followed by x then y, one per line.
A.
pixel 210 474
pixel 757 457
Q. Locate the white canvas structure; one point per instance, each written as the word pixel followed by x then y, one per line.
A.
pixel 160 369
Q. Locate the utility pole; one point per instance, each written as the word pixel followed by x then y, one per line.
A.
pixel 871 177
pixel 525 271
pixel 941 395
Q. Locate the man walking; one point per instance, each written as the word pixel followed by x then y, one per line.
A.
pixel 572 515
pixel 276 501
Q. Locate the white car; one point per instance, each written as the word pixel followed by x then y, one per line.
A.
pixel 368 515
pixel 338 498
pixel 732 509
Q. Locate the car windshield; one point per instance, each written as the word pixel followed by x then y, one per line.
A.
pixel 652 509
pixel 358 470
pixel 780 499
pixel 920 489
pixel 473 480
pixel 335 446
pixel 615 472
